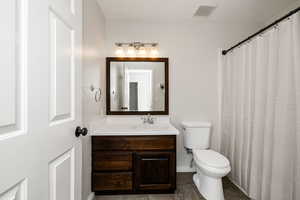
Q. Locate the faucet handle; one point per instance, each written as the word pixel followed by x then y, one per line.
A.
pixel 150 119
pixel 144 119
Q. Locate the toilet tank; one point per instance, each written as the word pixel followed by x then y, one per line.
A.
pixel 196 135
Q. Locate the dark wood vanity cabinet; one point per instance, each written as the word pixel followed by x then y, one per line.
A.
pixel 154 171
pixel 133 164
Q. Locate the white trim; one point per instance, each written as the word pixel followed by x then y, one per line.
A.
pixel 19 191
pixel 56 119
pixel 136 71
pixel 91 196
pixel 21 51
pixel 72 7
pixel 52 173
pixel 185 169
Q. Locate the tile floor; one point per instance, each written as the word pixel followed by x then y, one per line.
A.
pixel 186 190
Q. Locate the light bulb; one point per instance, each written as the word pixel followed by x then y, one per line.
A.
pixel 119 51
pixel 154 51
pixel 142 51
pixel 130 51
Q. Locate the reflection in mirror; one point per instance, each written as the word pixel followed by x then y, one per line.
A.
pixel 137 86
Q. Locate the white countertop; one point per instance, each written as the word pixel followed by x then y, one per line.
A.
pixel 130 126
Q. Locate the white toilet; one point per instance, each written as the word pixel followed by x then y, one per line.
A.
pixel 211 166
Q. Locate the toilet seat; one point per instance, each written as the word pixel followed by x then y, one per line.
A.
pixel 210 158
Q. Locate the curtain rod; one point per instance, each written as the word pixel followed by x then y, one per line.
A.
pixel 224 52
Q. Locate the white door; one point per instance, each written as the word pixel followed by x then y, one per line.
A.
pixel 40 63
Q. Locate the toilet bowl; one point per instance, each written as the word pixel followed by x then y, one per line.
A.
pixel 210 165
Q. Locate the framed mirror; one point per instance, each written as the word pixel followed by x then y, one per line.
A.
pixel 137 86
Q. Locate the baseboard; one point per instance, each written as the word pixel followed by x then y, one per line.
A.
pixel 185 169
pixel 91 196
pixel 240 188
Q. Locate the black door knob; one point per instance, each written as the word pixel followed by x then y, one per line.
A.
pixel 80 131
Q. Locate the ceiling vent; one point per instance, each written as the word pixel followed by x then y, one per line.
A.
pixel 204 11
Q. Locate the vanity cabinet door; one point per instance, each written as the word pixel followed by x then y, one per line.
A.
pixel 155 171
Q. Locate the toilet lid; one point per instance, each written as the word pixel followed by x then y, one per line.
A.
pixel 211 158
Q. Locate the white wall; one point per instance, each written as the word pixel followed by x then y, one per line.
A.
pixel 283 12
pixel 93 74
pixel 193 51
pixel 192 48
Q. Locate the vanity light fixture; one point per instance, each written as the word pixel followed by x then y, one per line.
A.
pixel 136 48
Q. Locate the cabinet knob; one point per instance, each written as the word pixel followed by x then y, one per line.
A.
pixel 80 131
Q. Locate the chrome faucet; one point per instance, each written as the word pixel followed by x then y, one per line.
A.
pixel 148 119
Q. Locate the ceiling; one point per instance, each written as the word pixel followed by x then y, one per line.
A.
pixel 165 10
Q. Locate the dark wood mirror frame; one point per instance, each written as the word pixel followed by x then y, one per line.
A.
pixel 131 59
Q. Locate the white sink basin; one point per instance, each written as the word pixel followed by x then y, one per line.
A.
pixel 130 128
pixel 154 127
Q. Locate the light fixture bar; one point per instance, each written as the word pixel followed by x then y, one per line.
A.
pixel 136 44
pixel 132 49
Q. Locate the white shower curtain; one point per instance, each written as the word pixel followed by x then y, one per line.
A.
pixel 260 115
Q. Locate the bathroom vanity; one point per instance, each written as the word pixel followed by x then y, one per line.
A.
pixel 133 164
pixel 130 158
pixel 132 154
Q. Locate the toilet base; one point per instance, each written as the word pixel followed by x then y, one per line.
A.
pixel 210 188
